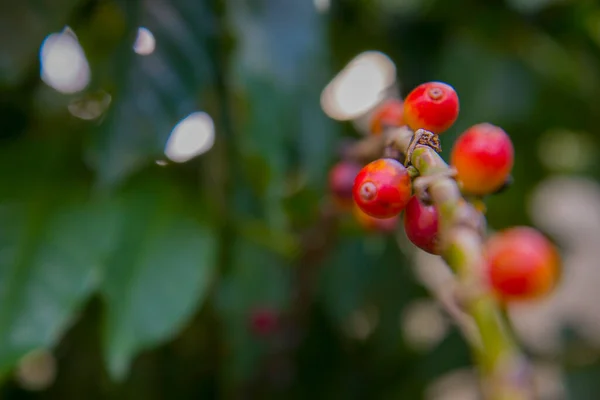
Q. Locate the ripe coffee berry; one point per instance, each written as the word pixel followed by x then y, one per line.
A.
pixel 382 188
pixel 384 225
pixel 433 106
pixel 421 223
pixel 522 264
pixel 341 181
pixel 483 157
pixel 389 114
pixel 263 321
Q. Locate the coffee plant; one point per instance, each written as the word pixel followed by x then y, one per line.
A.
pixel 514 265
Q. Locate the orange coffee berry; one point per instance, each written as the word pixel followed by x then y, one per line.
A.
pixel 522 264
pixel 483 157
pixel 382 188
pixel 433 106
pixel 388 114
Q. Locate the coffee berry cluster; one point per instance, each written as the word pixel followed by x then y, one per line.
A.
pixel 521 263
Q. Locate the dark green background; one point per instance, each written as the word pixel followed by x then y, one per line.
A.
pixel 141 278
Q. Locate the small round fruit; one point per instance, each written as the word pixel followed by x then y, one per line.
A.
pixel 433 106
pixel 389 114
pixel 522 264
pixel 382 188
pixel 372 224
pixel 341 181
pixel 263 321
pixel 421 223
pixel 483 156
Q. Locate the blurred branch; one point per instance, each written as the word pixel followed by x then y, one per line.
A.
pixel 314 244
pixel 505 374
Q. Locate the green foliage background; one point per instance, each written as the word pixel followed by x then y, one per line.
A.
pixel 141 278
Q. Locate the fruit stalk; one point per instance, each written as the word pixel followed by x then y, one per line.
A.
pixel 504 371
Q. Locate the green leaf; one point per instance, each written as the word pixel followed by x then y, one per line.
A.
pixel 50 260
pixel 153 92
pixel 29 21
pixel 156 276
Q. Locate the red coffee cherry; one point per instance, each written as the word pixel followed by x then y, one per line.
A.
pixel 389 114
pixel 522 264
pixel 483 157
pixel 432 106
pixel 341 181
pixel 372 224
pixel 382 188
pixel 421 223
pixel 263 321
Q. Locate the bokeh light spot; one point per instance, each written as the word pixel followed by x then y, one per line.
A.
pixel 144 42
pixel 362 322
pixel 322 6
pixel 36 370
pixel 360 86
pixel 567 151
pixel 64 66
pixel 423 324
pixel 191 137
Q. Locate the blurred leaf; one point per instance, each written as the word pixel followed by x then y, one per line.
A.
pixel 552 60
pixel 393 287
pixel 492 87
pixel 532 6
pixel 29 21
pixel 252 266
pixel 321 356
pixel 582 382
pixel 26 178
pixel 274 74
pixel 159 271
pixel 258 280
pixel 347 274
pixel 50 261
pixel 282 243
pixel 152 93
pixel 369 275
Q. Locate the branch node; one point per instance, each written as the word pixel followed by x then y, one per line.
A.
pixel 425 138
pixel 413 172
